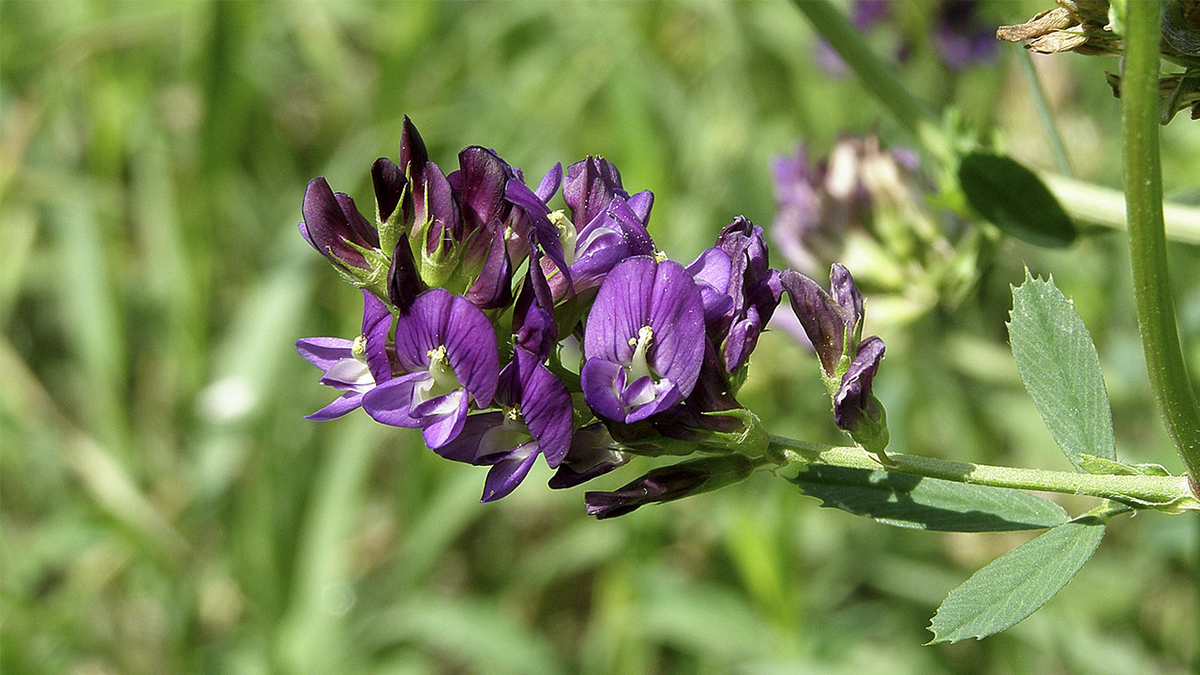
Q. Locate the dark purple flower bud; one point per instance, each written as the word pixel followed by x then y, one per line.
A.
pixel 389 185
pixel 437 220
pixel 589 186
pixel 643 341
pixel 446 352
pixel 354 367
pixel 593 453
pixel 670 483
pixel 832 327
pixel 853 399
pixel 404 279
pixel 535 417
pixel 480 183
pixel 333 226
pixel 413 154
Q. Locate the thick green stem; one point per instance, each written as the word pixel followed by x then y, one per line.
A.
pixel 1164 493
pixel 1147 239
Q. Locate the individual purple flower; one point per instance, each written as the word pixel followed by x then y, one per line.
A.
pixel 333 226
pixel 447 356
pixel 754 287
pixel 535 417
pixel 606 226
pixel 669 483
pixel 643 341
pixel 353 366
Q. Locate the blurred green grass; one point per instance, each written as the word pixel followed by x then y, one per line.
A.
pixel 166 509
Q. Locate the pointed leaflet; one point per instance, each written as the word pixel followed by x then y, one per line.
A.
pixel 927 503
pixel 1017 583
pixel 1061 370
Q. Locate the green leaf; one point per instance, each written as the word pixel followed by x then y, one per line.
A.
pixel 1061 371
pixel 1015 200
pixel 927 503
pixel 1018 583
pixel 1104 467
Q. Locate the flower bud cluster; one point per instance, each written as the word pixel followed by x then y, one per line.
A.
pixel 472 287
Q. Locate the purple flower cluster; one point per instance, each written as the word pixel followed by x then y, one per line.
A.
pixel 472 284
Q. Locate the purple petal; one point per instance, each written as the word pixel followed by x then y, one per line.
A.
pixel 391 402
pixel 413 155
pixel 591 455
pixel 435 205
pixel 641 203
pixel 658 396
pixel 538 213
pixel 376 323
pixel 603 385
pixel 404 281
pixel 340 406
pixel 550 182
pixel 545 405
pixel 534 328
pixel 492 289
pixel 470 343
pixel 823 320
pixel 483 177
pixel 677 318
pixel 634 228
pixel 421 330
pixel 442 423
pixel 465 447
pixel 854 395
pixel 323 352
pixel 327 228
pixel 588 187
pixel 389 184
pixel 507 474
pixel 711 272
pixel 620 310
pixel 845 292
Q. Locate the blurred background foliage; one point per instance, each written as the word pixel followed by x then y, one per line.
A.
pixel 165 509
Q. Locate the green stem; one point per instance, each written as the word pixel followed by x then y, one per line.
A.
pixel 1105 206
pixel 1164 493
pixel 877 76
pixel 1046 114
pixel 1147 239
